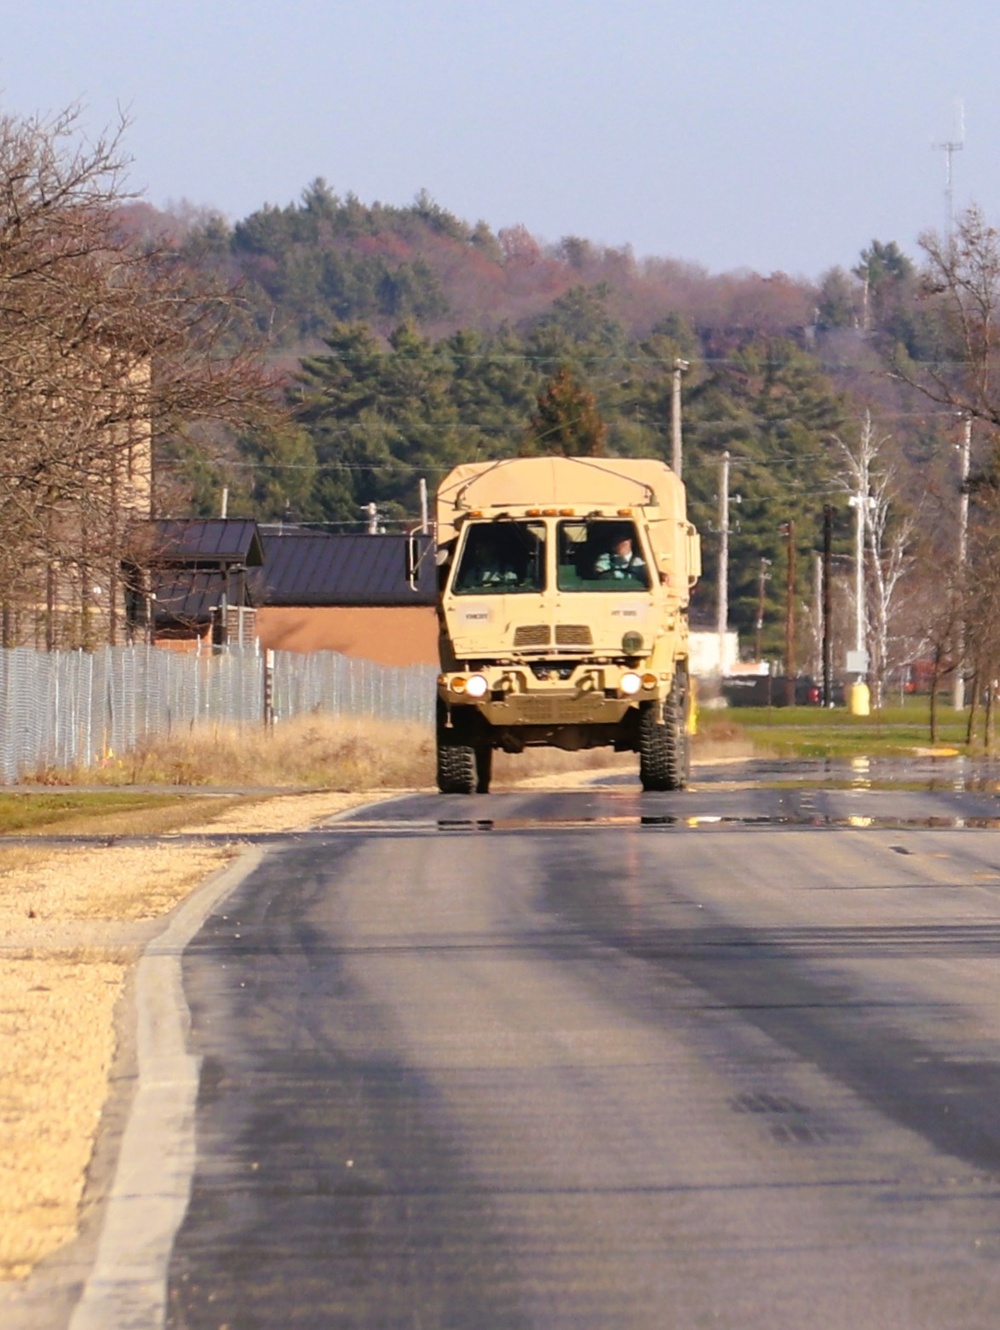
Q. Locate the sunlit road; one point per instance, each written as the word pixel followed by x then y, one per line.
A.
pixel 727 1058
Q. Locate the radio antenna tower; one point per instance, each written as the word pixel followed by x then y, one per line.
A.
pixel 949 148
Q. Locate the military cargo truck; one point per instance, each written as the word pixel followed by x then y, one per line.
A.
pixel 564 587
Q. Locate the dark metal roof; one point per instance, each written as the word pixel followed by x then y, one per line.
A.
pixel 207 540
pixel 303 567
pixel 190 596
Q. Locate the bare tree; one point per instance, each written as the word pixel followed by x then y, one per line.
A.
pixel 960 286
pixel 888 546
pixel 108 349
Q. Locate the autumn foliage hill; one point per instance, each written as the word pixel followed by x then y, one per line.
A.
pixel 327 259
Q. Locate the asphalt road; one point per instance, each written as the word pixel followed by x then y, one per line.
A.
pixel 727 1058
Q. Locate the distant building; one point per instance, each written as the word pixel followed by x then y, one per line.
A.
pixel 346 593
pixel 712 657
pixel 189 582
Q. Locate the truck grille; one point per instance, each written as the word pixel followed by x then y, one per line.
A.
pixel 531 635
pixel 574 635
pixel 587 708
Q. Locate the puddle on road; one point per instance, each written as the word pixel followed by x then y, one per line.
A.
pixel 960 774
pixel 716 823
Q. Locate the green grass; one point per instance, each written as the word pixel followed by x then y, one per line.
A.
pixel 26 812
pixel 834 732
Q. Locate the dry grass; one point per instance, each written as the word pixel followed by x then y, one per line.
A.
pixel 329 753
pixel 51 1097
pixel 310 752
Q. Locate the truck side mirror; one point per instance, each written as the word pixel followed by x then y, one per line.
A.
pixel 694 555
pixel 418 545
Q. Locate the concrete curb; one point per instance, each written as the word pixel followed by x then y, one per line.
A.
pixel 126 1288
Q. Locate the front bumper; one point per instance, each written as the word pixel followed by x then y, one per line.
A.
pixel 550 708
pixel 513 696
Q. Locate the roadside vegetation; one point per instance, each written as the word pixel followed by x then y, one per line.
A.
pixel 304 753
pixel 22 813
pixel 900 730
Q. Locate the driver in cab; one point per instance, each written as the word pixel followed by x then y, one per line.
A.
pixel 620 560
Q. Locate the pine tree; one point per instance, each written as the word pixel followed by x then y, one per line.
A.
pixel 566 421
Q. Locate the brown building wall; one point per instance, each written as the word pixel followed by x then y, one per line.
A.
pixel 193 640
pixel 392 635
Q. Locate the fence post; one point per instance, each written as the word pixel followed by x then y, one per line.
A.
pixel 268 659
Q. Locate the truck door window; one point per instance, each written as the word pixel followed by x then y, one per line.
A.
pixel 501 557
pixel 600 555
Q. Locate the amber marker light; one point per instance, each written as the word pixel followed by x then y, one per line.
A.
pixel 649 681
pixel 458 684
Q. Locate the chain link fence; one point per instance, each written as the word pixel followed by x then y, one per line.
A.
pixel 74 708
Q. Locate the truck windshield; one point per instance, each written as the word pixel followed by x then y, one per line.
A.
pixel 600 555
pixel 501 557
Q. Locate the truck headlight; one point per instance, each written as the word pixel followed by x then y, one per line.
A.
pixel 630 683
pixel 477 686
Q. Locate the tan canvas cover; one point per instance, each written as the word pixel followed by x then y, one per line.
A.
pixel 581 482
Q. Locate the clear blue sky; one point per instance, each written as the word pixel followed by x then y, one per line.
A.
pixel 766 134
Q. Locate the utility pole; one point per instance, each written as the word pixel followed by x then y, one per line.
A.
pixel 722 620
pixel 790 615
pixel 763 577
pixel 680 367
pixel 965 451
pixel 861 503
pixel 827 602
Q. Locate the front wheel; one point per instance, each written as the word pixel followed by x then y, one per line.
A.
pixel 456 768
pixel 664 753
pixel 456 761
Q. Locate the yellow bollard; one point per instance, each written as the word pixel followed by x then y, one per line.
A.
pixel 859 699
pixel 692 716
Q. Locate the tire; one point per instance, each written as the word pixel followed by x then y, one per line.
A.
pixel 664 752
pixel 456 768
pixel 675 718
pixel 456 762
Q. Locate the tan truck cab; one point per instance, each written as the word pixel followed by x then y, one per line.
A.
pixel 564 587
